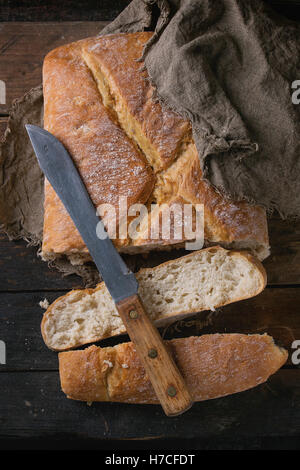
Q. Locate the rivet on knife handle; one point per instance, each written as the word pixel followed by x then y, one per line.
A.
pixel 163 373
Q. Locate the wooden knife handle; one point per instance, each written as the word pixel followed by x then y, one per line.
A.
pixel 158 363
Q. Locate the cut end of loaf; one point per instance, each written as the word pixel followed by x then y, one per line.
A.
pixel 260 251
pixel 203 280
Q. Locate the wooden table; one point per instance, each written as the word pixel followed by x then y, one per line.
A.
pixel 32 405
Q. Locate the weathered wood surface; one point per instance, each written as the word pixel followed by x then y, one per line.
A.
pixel 283 266
pixel 17 259
pixel 23 47
pixel 30 41
pixel 32 405
pixel 275 311
pixel 89 10
pixel 21 269
pixel 71 10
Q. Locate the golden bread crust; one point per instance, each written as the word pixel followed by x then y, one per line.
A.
pixel 109 163
pixel 224 219
pixel 99 103
pixel 117 57
pixel 212 366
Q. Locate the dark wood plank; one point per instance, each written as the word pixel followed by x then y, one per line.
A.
pixel 23 47
pixel 68 10
pixel 29 42
pixel 16 260
pixel 32 405
pixel 22 269
pixel 89 10
pixel 288 8
pixel 283 266
pixel 20 319
pixel 110 446
pixel 275 311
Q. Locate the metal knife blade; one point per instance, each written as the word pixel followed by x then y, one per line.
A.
pixel 59 169
pixel 61 172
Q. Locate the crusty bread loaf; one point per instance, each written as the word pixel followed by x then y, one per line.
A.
pixel 99 104
pixel 212 366
pixel 203 280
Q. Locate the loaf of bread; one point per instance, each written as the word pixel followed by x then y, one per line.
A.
pixel 212 366
pixel 100 105
pixel 203 280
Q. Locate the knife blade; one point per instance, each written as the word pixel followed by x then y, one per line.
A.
pixel 61 172
pixel 57 165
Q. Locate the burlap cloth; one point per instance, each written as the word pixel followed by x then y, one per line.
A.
pixel 228 66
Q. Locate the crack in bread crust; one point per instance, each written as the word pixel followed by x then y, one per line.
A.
pixel 158 132
pixel 100 149
pixel 158 137
pixel 113 101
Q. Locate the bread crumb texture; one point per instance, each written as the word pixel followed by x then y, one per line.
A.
pixel 203 280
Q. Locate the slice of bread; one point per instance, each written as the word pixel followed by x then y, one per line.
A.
pixel 202 280
pixel 212 366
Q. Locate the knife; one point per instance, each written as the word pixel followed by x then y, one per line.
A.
pixel 59 169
